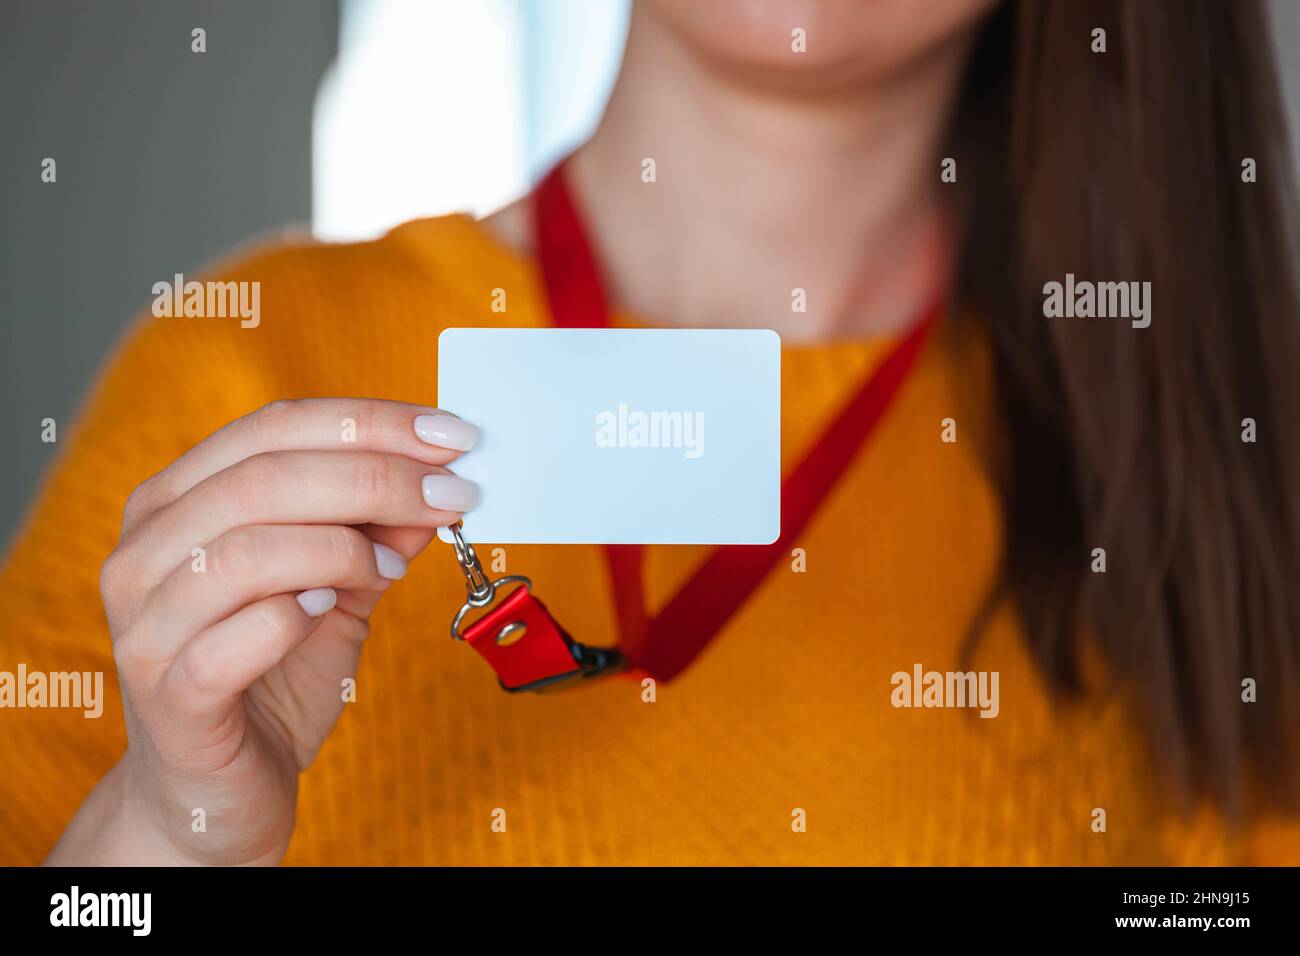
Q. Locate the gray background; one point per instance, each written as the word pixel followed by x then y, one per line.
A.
pixel 166 159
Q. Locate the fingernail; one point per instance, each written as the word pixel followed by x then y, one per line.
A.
pixel 318 600
pixel 449 493
pixel 446 431
pixel 391 564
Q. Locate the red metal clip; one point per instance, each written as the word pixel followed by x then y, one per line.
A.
pixel 519 638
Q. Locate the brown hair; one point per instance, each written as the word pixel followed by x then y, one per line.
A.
pixel 1119 166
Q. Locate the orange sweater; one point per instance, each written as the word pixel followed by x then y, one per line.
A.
pixel 788 709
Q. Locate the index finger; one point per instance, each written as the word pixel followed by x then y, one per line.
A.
pixel 420 432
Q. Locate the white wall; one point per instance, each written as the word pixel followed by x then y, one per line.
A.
pixel 437 105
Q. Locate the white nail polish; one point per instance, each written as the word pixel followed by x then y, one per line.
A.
pixel 318 600
pixel 449 493
pixel 390 564
pixel 446 431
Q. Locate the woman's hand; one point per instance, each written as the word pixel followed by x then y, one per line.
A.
pixel 238 600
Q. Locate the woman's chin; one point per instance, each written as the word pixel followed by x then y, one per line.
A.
pixel 812 45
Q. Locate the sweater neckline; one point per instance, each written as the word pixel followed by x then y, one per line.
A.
pixel 489 254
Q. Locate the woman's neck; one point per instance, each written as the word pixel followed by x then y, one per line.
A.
pixel 760 192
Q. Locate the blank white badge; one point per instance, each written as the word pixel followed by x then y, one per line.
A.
pixel 618 436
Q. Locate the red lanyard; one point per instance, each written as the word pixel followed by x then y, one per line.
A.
pixel 518 637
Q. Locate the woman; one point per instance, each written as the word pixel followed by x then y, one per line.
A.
pixel 1072 504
